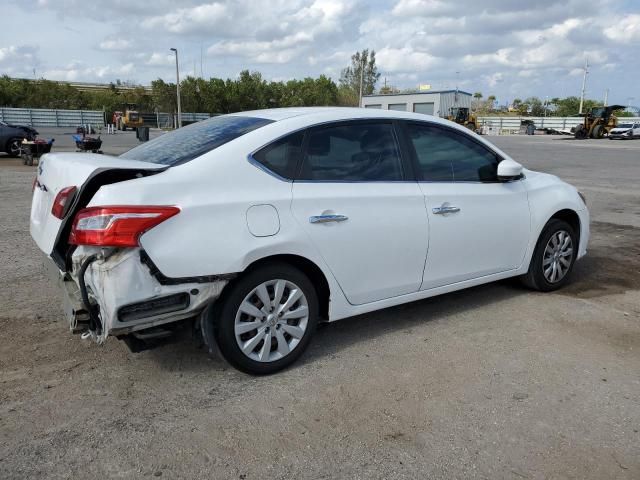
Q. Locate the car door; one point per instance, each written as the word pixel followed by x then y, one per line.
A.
pixel 4 136
pixel 362 211
pixel 478 226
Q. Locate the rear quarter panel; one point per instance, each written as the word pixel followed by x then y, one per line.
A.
pixel 214 192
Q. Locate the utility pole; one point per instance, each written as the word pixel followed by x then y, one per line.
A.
pixel 361 80
pixel 606 96
pixel 175 50
pixel 546 104
pixel 584 82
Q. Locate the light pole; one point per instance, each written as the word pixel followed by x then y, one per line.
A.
pixel 361 81
pixel 584 82
pixel 178 87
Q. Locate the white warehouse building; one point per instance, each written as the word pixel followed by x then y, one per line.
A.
pixel 432 102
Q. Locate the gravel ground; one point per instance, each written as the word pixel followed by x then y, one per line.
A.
pixel 492 382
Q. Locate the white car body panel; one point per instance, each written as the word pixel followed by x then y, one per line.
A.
pixel 391 250
pixel 60 170
pixel 488 235
pixel 386 233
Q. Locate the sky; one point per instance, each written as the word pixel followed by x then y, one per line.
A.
pixel 511 49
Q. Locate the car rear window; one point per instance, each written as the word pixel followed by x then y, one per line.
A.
pixel 187 143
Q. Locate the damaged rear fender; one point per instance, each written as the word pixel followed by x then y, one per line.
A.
pixel 131 298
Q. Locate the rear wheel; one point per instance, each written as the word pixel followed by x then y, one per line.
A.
pixel 553 257
pixel 266 321
pixel 14 147
pixel 580 133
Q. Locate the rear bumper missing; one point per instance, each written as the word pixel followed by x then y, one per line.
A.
pixel 129 297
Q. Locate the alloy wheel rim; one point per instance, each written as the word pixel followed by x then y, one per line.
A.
pixel 271 320
pixel 558 255
pixel 15 147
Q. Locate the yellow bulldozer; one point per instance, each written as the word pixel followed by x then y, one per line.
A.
pixel 597 122
pixel 463 116
pixel 130 118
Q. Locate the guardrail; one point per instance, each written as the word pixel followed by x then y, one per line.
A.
pixel 169 120
pixel 51 118
pixel 42 117
pixel 507 124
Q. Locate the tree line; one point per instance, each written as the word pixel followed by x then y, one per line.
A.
pixel 535 107
pixel 249 91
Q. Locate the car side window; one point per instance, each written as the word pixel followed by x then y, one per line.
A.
pixel 446 155
pixel 282 156
pixel 364 152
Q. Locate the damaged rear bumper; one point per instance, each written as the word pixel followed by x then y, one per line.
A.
pixel 128 295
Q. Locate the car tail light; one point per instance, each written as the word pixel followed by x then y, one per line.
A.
pixel 116 226
pixel 62 202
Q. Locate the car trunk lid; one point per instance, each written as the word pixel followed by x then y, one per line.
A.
pixel 60 170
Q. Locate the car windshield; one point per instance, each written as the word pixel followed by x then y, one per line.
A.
pixel 187 143
pixel 625 125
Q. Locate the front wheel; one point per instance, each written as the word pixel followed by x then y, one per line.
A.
pixel 598 131
pixel 267 319
pixel 14 147
pixel 553 258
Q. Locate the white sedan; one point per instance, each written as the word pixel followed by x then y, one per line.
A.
pixel 625 131
pixel 258 225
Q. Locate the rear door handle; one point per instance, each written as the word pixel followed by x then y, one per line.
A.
pixel 327 218
pixel 445 209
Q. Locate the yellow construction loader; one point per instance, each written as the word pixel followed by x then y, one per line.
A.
pixel 462 116
pixel 597 122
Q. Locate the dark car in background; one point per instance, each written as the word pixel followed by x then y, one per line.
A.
pixel 12 135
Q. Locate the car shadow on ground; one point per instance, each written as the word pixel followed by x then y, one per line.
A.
pixel 331 338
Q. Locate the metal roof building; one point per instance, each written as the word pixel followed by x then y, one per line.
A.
pixel 431 102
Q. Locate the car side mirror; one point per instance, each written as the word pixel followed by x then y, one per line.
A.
pixel 509 170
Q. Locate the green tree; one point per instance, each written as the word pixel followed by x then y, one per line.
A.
pixel 491 102
pixel 534 106
pixel 363 66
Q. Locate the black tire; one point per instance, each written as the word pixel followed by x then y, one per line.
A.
pixel 598 131
pixel 580 133
pixel 14 147
pixel 224 318
pixel 535 278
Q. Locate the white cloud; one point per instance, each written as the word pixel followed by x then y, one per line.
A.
pixel 626 30
pixel 115 44
pixel 18 53
pixel 186 20
pixel 157 59
pixel 404 60
pixel 495 45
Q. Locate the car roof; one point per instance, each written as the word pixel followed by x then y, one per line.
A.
pixel 335 113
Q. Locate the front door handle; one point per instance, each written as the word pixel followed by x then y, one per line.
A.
pixel 445 209
pixel 327 218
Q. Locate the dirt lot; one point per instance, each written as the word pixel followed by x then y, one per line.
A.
pixel 493 382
